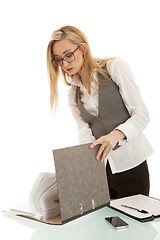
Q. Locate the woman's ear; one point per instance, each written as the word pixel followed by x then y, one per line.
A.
pixel 84 48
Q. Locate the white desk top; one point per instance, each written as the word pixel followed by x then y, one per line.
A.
pixel 92 226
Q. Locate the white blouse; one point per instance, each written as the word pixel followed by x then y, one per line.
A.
pixel 136 148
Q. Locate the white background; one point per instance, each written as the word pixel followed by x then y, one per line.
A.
pixel 28 130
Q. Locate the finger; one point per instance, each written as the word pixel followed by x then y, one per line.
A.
pixel 105 153
pixel 97 142
pixel 94 144
pixel 101 149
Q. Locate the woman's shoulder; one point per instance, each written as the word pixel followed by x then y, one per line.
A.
pixel 116 62
pixel 117 66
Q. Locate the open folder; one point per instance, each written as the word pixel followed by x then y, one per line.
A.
pixel 81 181
pixel 139 207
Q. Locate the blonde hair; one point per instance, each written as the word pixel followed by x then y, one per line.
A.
pixel 89 63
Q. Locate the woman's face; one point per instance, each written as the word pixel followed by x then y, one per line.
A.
pixel 63 48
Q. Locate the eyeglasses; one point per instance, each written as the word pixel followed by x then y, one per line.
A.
pixel 69 57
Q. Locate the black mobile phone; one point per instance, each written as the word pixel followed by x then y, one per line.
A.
pixel 117 222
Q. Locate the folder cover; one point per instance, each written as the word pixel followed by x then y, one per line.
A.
pixel 81 180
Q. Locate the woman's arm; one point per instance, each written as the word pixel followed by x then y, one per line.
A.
pixel 123 77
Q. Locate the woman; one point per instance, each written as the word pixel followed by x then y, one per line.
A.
pixel 107 107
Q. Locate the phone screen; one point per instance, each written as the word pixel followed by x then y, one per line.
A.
pixel 117 222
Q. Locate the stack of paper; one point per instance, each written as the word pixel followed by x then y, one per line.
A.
pixel 44 199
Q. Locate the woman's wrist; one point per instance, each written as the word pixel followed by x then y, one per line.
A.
pixel 118 134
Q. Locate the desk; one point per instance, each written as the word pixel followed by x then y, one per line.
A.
pixel 89 227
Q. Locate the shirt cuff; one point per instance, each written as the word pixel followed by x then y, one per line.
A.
pixel 129 130
pixel 122 142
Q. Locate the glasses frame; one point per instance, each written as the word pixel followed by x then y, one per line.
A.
pixel 63 59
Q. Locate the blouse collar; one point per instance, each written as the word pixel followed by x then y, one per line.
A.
pixel 76 80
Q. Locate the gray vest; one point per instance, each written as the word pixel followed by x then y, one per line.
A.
pixel 112 111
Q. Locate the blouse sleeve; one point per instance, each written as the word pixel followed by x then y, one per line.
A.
pixel 123 77
pixel 85 133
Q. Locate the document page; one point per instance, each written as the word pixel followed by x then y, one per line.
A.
pixel 21 209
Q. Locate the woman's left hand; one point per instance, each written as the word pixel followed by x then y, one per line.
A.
pixel 107 142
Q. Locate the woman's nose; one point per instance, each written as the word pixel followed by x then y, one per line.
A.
pixel 65 64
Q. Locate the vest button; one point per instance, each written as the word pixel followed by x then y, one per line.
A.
pixel 102 132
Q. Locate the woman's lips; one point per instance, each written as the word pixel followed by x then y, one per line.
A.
pixel 69 69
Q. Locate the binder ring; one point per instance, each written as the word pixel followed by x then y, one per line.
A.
pixel 81 208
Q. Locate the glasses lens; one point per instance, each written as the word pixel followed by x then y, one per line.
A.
pixel 57 62
pixel 69 57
